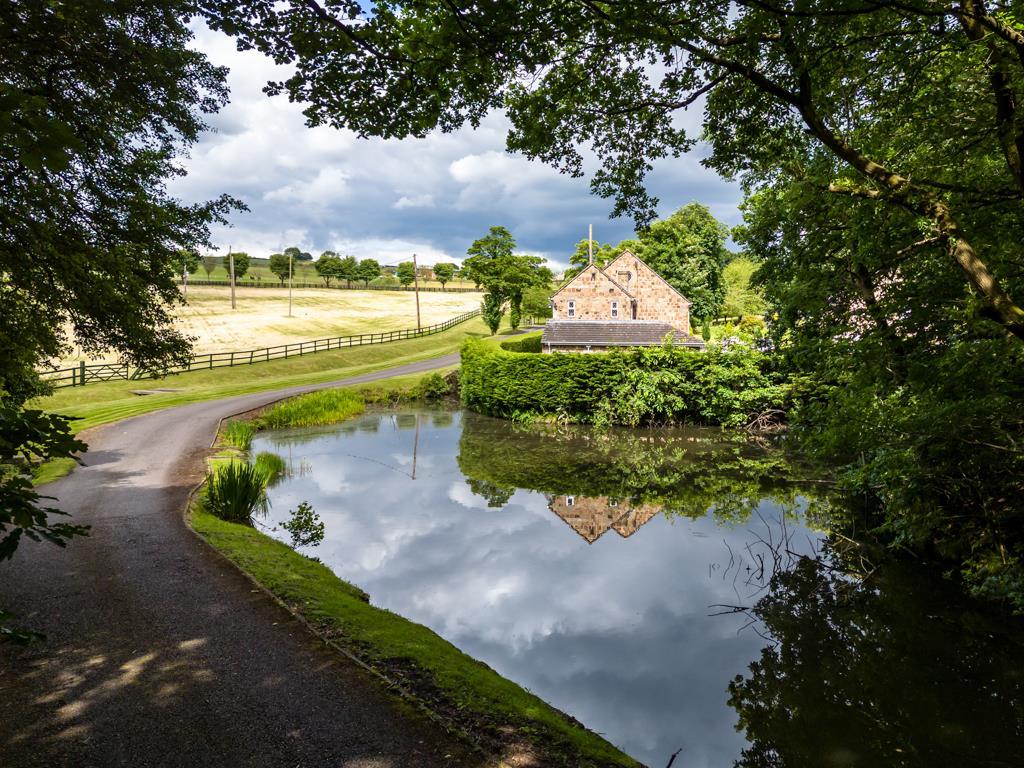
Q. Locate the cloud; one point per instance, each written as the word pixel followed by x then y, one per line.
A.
pixel 321 188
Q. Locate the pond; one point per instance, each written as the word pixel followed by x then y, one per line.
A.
pixel 671 590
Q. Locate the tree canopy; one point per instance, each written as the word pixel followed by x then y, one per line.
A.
pixel 91 239
pixel 329 267
pixel 241 260
pixel 406 273
pixel 444 272
pixel 281 266
pixel 492 264
pixel 368 270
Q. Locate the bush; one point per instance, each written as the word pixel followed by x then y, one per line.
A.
pixel 304 526
pixel 529 343
pixel 637 386
pixel 235 491
pixel 271 466
pixel 239 434
pixel 431 387
pixel 328 406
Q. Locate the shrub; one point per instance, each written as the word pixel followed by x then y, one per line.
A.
pixel 235 491
pixel 304 526
pixel 529 343
pixel 239 434
pixel 637 386
pixel 271 466
pixel 328 406
pixel 431 387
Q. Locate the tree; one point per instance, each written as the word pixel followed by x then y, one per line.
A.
pixel 241 264
pixel 188 262
pixel 328 266
pixel 492 308
pixel 91 247
pixel 444 272
pixel 741 297
pixel 281 266
pixel 603 254
pixel 491 263
pixel 300 255
pixel 349 270
pixel 209 264
pixel 406 273
pixel 537 302
pixel 369 270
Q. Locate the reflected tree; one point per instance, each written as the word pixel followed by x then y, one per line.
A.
pixel 896 671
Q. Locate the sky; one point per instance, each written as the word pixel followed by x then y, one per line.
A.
pixel 325 189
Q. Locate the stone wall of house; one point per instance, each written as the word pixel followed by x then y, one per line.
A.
pixel 592 293
pixel 592 516
pixel 656 299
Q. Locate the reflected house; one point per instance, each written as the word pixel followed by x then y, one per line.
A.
pixel 592 516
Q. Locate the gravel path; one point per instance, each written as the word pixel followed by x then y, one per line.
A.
pixel 159 652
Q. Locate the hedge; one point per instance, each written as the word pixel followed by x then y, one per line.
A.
pixel 635 386
pixel 529 343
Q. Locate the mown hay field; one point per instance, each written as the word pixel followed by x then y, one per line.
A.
pixel 261 317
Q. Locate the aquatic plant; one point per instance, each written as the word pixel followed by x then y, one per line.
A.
pixel 271 466
pixel 239 434
pixel 235 491
pixel 325 407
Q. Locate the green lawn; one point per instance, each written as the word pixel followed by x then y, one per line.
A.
pixel 101 403
pixel 504 716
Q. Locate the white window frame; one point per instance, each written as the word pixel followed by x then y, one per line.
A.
pixel 615 309
pixel 570 308
pixel 570 501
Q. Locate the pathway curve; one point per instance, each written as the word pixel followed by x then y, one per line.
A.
pixel 159 652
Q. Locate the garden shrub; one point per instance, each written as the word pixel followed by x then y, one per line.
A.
pixel 637 386
pixel 235 491
pixel 433 386
pixel 528 343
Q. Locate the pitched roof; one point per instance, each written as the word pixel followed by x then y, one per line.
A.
pixel 657 274
pixel 613 333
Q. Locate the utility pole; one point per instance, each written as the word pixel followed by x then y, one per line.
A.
pixel 590 243
pixel 184 278
pixel 289 285
pixel 416 279
pixel 231 269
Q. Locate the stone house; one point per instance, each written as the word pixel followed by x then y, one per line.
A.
pixel 625 304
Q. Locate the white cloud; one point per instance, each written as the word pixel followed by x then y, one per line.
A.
pixel 321 188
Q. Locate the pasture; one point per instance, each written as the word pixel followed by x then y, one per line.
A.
pixel 261 317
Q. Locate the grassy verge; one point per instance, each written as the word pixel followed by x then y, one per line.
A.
pixel 507 719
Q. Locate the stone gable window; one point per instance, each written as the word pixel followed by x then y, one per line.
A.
pixel 570 309
pixel 615 309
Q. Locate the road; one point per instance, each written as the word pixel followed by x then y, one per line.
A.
pixel 159 652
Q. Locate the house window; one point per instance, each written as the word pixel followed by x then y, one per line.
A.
pixel 570 501
pixel 570 309
pixel 613 502
pixel 615 309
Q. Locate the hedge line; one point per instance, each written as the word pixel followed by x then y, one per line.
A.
pixel 636 386
pixel 528 343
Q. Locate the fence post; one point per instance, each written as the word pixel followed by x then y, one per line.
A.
pixel 81 374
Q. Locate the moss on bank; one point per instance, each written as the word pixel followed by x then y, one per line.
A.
pixel 505 718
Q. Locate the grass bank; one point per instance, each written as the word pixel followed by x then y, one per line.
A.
pixel 506 719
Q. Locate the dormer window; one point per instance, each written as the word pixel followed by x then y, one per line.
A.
pixel 615 309
pixel 570 309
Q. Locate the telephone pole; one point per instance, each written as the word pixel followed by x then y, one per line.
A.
pixel 231 269
pixel 416 279
pixel 290 285
pixel 590 243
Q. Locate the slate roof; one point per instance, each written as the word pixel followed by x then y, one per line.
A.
pixel 613 333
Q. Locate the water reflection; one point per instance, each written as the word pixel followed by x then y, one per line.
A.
pixel 586 567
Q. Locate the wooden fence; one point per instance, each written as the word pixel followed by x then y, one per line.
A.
pixel 245 283
pixel 84 373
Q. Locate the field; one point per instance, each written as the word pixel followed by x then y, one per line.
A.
pixel 261 318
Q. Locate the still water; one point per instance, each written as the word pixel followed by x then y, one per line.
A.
pixel 669 590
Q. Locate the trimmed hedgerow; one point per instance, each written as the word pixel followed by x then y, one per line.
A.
pixel 529 343
pixel 637 386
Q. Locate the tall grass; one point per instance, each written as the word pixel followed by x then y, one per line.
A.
pixel 325 407
pixel 239 434
pixel 271 466
pixel 235 491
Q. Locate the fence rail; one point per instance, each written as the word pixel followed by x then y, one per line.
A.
pixel 337 287
pixel 84 373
